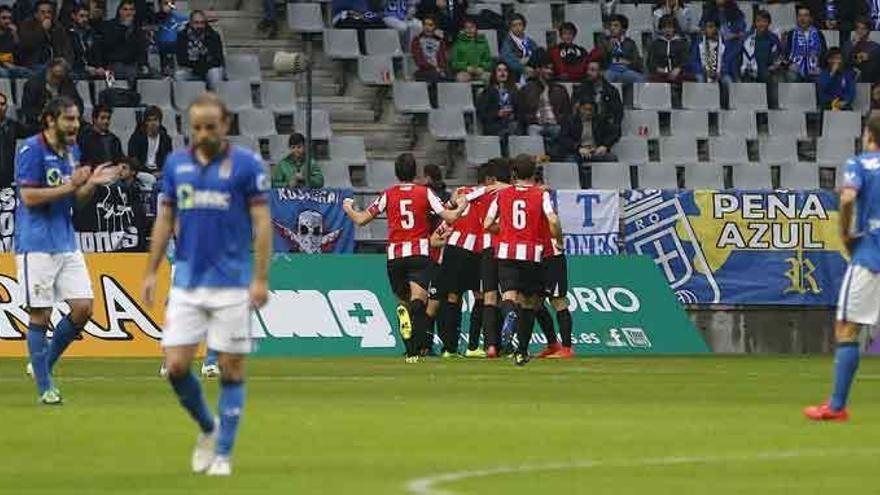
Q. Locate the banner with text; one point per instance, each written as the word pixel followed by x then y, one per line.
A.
pixel 311 221
pixel 112 221
pixel 590 221
pixel 740 247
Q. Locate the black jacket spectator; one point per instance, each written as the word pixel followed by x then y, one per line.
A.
pixel 489 106
pixel 84 44
pixel 44 86
pixel 122 44
pixel 603 94
pixel 190 56
pixel 39 46
pixel 137 148
pixel 606 132
pixel 10 131
pixel 97 148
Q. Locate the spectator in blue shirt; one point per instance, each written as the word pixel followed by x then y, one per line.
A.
pixel 732 26
pixel 761 51
pixel 517 48
pixel 837 84
pixel 709 56
pixel 169 23
pixel 805 49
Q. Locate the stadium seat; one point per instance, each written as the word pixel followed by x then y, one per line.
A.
pixel 778 150
pixel 178 142
pixel 748 96
pixel 382 42
pixel 341 43
pixel 641 17
pixel 336 175
pixel 243 66
pixel 701 96
pixel 278 96
pixel 236 94
pixel 799 176
pixel 492 7
pixel 841 124
pixel 539 15
pixel 786 123
pixel 305 17
pixel 728 149
pixel 258 123
pixel 784 16
pixel 349 150
pixel 321 130
pixel 169 121
pixel 832 38
pixel 455 95
pixel 412 97
pixel 6 89
pixel 642 123
pixel 835 149
pixel 609 176
pixel 376 69
pixel 249 142
pixel 380 175
pixel 278 147
pixel 123 122
pixel 155 92
pixel 631 151
pixel 19 89
pixel 797 96
pixel 447 124
pixel 537 34
pixel 562 175
pixel 481 149
pixel 737 123
pixel 492 38
pixel 185 92
pixel 84 91
pixel 704 176
pixel 862 102
pixel 679 149
pixel 530 145
pixel 658 176
pixel 752 176
pixel 652 96
pixel 379 229
pixel 690 122
pixel 587 17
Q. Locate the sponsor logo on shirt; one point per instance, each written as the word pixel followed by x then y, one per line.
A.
pixel 189 198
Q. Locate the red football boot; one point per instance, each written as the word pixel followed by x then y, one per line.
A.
pixel 563 353
pixel 825 413
pixel 550 350
pixel 492 352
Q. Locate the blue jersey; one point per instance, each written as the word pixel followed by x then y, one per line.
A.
pixel 862 173
pixel 47 228
pixel 212 204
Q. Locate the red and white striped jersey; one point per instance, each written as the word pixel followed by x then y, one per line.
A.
pixel 522 213
pixel 409 208
pixel 467 231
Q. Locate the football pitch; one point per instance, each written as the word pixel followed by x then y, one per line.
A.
pixel 376 426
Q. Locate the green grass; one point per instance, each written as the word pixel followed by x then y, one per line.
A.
pixel 370 426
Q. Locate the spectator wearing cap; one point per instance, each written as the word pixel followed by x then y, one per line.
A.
pixel 83 40
pixel 97 144
pixel 498 104
pixel 150 143
pixel 622 59
pixel 837 84
pixel 606 98
pixel 543 104
pixel 43 86
pixel 42 38
pixel 761 52
pixel 169 23
pixel 430 52
pixel 517 48
pixel 668 54
pixel 864 55
pixel 199 52
pixel 10 46
pixel 569 59
pixel 471 59
pixel 123 44
pixel 10 132
pixel 805 49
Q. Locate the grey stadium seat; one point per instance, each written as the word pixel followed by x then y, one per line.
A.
pixel 841 124
pixel 641 18
pixel 690 122
pixel 380 175
pixel 778 150
pixel 728 149
pixel 701 96
pixel 341 43
pixel 631 151
pixel 492 38
pixel 704 176
pixel 658 176
pixel 123 122
pixel 832 38
pixel 411 97
pixel 797 96
pixel 278 147
pixel 243 66
pixel 382 42
pixel 236 94
pixel 539 35
pixel 249 142
pixel 481 149
pixel 155 92
pixel 587 17
pixel 379 229
pixel 169 121
pixel 737 123
pixel 530 145
pixel 305 17
pixel 834 149
pixel 862 102
pixel 336 175
pixel 799 176
pixel 447 124
pixel 376 69
pixel 786 123
pixel 748 96
pixel 784 16
pixel 178 142
pixel 455 95
pixel 679 149
pixel 643 123
pixel 652 96
pixel 562 175
pixel 321 130
pixel 6 89
pixel 752 176
pixel 539 15
pixel 185 92
pixel 82 88
pixel 609 176
pixel 278 96
pixel 258 123
pixel 348 149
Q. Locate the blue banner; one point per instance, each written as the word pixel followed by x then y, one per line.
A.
pixel 740 247
pixel 590 221
pixel 311 221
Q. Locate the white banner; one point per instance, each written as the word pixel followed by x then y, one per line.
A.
pixel 590 221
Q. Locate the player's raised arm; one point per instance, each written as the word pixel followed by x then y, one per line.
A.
pixel 103 175
pixel 361 218
pixel 449 216
pixel 491 215
pixel 31 176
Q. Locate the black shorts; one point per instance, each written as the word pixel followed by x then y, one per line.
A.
pixel 434 292
pixel 460 271
pixel 555 276
pixel 402 271
pixel 488 271
pixel 525 277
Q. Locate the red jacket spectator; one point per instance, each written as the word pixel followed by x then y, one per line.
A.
pixel 569 59
pixel 430 52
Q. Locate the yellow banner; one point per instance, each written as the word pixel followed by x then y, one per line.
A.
pixel 121 324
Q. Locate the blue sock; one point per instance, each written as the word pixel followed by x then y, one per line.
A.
pixel 65 333
pixel 210 358
pixel 191 398
pixel 38 348
pixel 846 363
pixel 231 405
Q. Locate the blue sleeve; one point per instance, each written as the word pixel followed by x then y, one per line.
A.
pixel 169 188
pixel 509 57
pixel 257 182
pixel 695 65
pixel 853 174
pixel 30 171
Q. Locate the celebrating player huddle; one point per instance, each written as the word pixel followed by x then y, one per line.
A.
pixel 498 240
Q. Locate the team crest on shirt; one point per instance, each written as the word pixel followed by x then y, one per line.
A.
pixel 54 177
